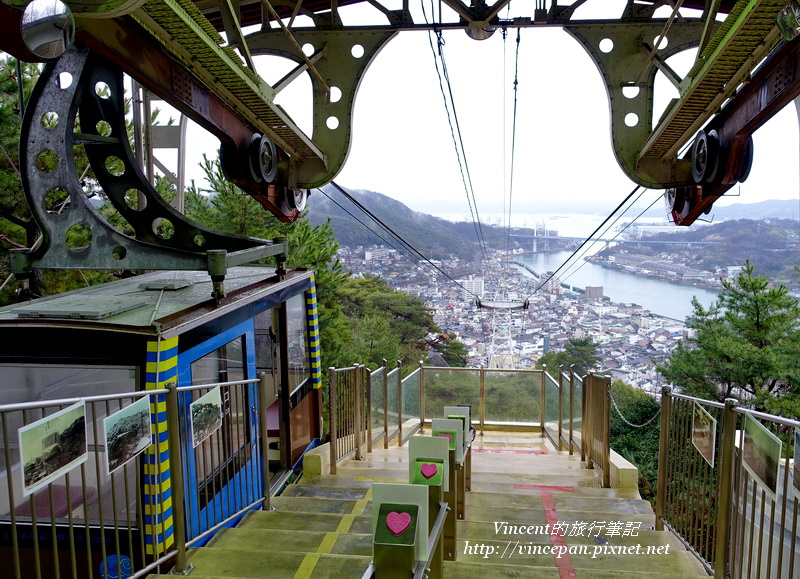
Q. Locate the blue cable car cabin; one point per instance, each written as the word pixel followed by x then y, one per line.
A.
pixel 107 345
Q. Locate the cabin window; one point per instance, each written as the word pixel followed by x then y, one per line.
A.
pixel 296 336
pixel 220 457
pixel 63 496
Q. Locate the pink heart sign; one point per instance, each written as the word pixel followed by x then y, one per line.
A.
pixel 447 436
pixel 428 469
pixel 398 522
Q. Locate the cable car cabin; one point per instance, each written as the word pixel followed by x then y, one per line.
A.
pixel 87 480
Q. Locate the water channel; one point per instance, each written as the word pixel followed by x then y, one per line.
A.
pixel 660 297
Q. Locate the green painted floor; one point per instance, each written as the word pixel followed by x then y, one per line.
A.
pixel 521 491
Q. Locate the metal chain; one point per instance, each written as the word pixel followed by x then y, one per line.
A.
pixel 625 420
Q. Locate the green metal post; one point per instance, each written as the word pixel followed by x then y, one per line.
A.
pixel 663 452
pixel 176 473
pixel 727 460
pixel 451 498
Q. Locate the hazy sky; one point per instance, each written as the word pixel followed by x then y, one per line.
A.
pixel 402 146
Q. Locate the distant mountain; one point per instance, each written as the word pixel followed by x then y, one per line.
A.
pixel 772 209
pixel 435 238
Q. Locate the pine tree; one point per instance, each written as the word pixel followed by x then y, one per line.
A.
pixel 745 346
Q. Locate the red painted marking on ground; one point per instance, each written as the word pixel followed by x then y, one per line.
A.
pixel 563 564
pixel 545 488
pixel 499 451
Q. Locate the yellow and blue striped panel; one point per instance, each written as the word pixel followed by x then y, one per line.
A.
pixel 161 369
pixel 312 335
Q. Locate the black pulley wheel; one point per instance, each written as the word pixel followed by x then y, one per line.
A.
pixel 705 157
pixel 263 159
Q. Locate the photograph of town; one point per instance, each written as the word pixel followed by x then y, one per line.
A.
pixel 52 446
pixel 206 415
pixel 704 433
pixel 761 454
pixel 127 433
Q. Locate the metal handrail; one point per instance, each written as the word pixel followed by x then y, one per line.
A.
pixel 435 536
pixel 735 525
pixel 68 401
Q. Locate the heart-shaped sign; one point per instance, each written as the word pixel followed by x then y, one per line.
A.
pixel 398 522
pixel 448 437
pixel 428 469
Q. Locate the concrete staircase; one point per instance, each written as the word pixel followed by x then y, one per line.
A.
pixel 521 492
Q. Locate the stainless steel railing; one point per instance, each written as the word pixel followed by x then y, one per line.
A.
pixel 389 408
pixel 728 486
pixel 87 519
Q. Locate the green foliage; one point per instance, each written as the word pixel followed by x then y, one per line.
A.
pixel 745 346
pixel 225 207
pixel 451 349
pixel 579 353
pixel 508 397
pixel 408 321
pixel 639 445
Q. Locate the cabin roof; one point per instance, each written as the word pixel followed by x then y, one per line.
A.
pixel 161 303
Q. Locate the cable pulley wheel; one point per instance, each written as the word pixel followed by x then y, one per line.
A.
pixel 705 156
pixel 677 204
pixel 263 157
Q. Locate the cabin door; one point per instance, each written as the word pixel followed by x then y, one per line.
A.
pixel 220 424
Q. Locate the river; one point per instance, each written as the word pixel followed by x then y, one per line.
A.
pixel 660 297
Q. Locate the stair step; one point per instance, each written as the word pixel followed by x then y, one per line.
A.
pixel 267 562
pixel 290 540
pixel 562 501
pixel 497 507
pixel 300 521
pixel 583 489
pixel 325 491
pixel 321 504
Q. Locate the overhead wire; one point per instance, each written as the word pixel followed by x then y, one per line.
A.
pixel 513 145
pixel 620 232
pixel 605 231
pixel 455 129
pixel 587 240
pixel 420 256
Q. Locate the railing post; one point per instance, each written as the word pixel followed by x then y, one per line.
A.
pixel 421 396
pixel 606 431
pixel 368 409
pixel 176 473
pixel 385 405
pixel 332 418
pixel 587 442
pixel 482 397
pixel 560 405
pixel 264 434
pixel 357 426
pixel 400 402
pixel 725 493
pixel 571 408
pixel 663 453
pixel 542 401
